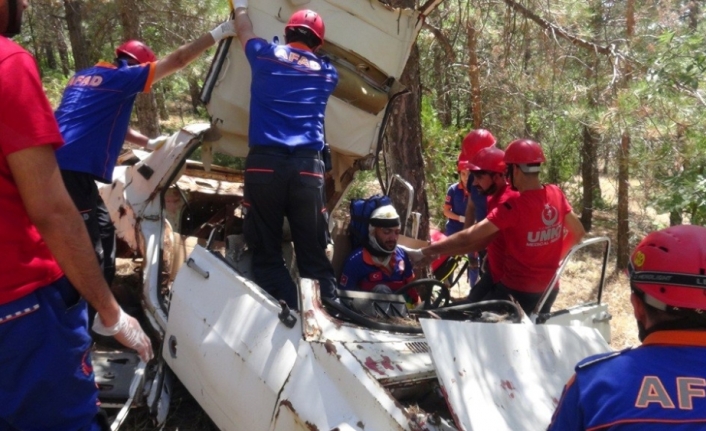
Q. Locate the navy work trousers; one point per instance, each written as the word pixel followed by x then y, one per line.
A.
pixel 280 183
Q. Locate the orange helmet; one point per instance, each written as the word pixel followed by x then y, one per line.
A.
pixel 475 141
pixel 524 152
pixel 489 159
pixel 307 19
pixel 668 267
pixel 136 50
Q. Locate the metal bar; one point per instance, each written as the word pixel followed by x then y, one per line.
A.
pixel 122 414
pixel 560 270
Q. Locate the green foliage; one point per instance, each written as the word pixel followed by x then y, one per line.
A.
pixel 441 146
pixel 685 193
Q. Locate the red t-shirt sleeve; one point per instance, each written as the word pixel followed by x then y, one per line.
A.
pixel 502 216
pixel 26 117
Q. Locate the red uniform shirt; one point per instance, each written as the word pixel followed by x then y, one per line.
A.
pixel 26 120
pixel 533 229
pixel 496 248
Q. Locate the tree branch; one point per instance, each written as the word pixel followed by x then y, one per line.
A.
pixel 555 29
pixel 443 40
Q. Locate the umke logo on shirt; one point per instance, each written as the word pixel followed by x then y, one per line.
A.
pixel 550 233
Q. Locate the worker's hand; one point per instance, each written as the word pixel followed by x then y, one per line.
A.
pixel 226 29
pixel 462 219
pixel 240 3
pixel 415 254
pixel 156 143
pixel 128 332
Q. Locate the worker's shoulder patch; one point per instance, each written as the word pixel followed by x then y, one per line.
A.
pixel 599 358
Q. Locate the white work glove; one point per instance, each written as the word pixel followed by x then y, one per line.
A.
pixel 240 3
pixel 415 254
pixel 226 29
pixel 128 332
pixel 462 219
pixel 156 143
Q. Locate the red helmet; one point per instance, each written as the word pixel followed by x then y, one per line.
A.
pixel 524 152
pixel 462 165
pixel 475 141
pixel 669 267
pixel 489 159
pixel 308 19
pixel 137 50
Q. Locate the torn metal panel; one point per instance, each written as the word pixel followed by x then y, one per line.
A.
pixel 501 376
pixel 326 390
pixel 129 196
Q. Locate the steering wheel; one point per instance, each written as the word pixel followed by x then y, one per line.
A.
pixel 441 300
pixel 462 310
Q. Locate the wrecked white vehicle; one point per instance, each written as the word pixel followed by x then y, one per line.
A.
pixel 369 364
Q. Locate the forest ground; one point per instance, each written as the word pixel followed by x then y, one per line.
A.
pixel 578 284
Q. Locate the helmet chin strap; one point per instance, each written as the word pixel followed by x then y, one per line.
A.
pixel 511 176
pixel 13 24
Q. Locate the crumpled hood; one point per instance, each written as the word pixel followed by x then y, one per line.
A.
pixel 502 376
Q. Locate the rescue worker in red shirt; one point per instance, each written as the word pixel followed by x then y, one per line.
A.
pixel 533 226
pixel 660 385
pixel 48 270
pixel 488 169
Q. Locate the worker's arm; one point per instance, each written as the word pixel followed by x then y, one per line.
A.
pixel 452 215
pixel 52 211
pixel 575 232
pixel 137 138
pixel 475 238
pixel 189 52
pixel 243 25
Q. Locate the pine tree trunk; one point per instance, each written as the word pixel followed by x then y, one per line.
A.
pixel 404 143
pixel 79 46
pixel 623 249
pixel 474 75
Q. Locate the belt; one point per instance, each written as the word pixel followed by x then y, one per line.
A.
pixel 284 151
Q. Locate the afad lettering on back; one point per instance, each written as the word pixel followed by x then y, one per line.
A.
pixel 86 80
pixel 295 58
pixel 653 392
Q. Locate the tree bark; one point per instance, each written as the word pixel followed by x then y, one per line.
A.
pixel 591 135
pixel 404 143
pixel 442 101
pixel 195 94
pixel 474 75
pixel 49 54
pixel 404 135
pixel 623 248
pixel 623 196
pixel 145 104
pixel 74 22
pixel 588 162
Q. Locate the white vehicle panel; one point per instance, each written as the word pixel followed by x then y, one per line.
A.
pixel 501 376
pixel 233 353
